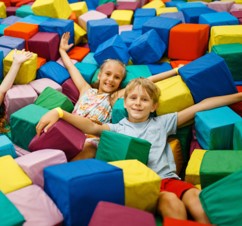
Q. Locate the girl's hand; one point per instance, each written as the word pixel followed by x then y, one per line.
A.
pixel 20 57
pixel 64 42
pixel 47 120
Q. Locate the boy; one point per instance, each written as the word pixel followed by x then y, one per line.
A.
pixel 141 98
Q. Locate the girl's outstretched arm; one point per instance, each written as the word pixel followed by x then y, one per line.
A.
pixel 75 74
pixel 18 59
pixel 188 114
pixel 84 124
pixel 163 75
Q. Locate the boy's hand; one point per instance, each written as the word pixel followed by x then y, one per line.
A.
pixel 49 119
pixel 64 42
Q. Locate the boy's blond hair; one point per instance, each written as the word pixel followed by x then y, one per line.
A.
pixel 152 90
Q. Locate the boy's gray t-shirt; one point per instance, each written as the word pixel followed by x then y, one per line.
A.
pixel 155 130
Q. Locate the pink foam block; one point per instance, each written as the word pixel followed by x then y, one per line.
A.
pixel 18 97
pixel 34 163
pixel 36 206
pixel 40 84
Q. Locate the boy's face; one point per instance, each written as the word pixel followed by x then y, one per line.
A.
pixel 110 77
pixel 139 105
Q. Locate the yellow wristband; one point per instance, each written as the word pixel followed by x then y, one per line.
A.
pixel 176 70
pixel 60 112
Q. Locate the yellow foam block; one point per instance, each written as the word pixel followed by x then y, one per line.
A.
pixel 142 185
pixel 2 10
pixel 79 8
pixel 166 10
pixel 12 177
pixel 155 4
pixel 79 34
pixel 177 153
pixel 175 95
pixel 27 71
pixel 225 35
pixel 122 17
pixel 193 166
pixel 52 8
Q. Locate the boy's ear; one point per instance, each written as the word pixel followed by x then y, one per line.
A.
pixel 155 106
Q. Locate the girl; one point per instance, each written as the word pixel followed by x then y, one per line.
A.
pixel 18 59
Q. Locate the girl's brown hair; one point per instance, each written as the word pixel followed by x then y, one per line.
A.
pixel 152 90
pixel 2 119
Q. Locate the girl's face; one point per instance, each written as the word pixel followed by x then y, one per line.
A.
pixel 139 105
pixel 110 77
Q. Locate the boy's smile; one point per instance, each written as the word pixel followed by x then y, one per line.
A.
pixel 139 105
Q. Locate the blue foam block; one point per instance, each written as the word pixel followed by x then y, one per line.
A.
pixel 149 43
pixel 77 187
pixel 54 71
pixel 113 48
pixel 12 42
pixel 208 76
pixel 6 147
pixel 98 31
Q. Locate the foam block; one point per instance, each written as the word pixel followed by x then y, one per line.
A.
pixel 36 206
pixel 21 30
pixel 52 8
pixel 88 16
pixel 142 185
pixel 51 98
pixel 218 19
pixel 150 43
pixel 223 6
pixel 88 175
pixel 126 147
pixel 106 8
pixel 214 128
pixel 171 221
pixel 70 90
pixel 118 111
pixel 188 41
pixel 62 136
pixel 175 95
pixel 26 73
pixel 114 214
pixel 6 147
pixel 193 166
pixel 10 215
pixel 59 26
pixel 23 123
pixel 40 84
pixel 231 53
pixel 162 26
pixel 122 17
pixel 98 31
pixel 12 177
pixel 237 141
pixel 12 42
pixel 222 201
pixel 78 53
pixel 17 97
pixel 202 76
pixel 113 48
pixel 54 71
pixel 225 34
pixel 45 44
pixel 34 163
pixel 216 165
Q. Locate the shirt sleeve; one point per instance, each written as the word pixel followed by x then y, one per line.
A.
pixel 169 122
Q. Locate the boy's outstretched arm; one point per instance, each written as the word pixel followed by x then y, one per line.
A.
pixel 76 76
pixel 188 114
pixel 18 59
pixel 84 124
